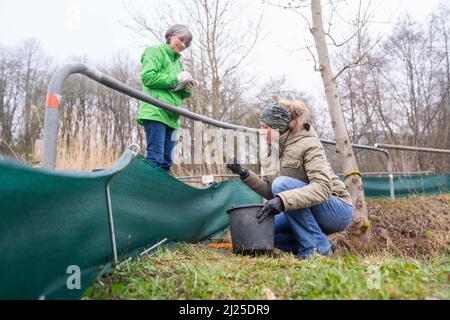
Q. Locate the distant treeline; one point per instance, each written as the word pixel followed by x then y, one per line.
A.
pixel 398 95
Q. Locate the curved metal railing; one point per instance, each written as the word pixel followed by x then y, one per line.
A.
pixel 53 104
pixel 54 94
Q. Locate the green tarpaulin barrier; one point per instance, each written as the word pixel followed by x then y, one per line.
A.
pixel 53 222
pixel 406 186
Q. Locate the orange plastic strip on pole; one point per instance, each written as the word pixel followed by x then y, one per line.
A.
pixel 52 100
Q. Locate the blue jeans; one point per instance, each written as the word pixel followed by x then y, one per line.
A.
pixel 161 140
pixel 304 231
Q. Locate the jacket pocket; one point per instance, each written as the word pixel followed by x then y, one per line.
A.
pixel 293 169
pixel 291 163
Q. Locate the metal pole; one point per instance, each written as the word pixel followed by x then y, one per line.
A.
pixel 388 157
pixel 153 247
pixel 417 173
pixel 54 94
pixel 391 176
pixel 407 148
pixel 111 223
pixel 134 153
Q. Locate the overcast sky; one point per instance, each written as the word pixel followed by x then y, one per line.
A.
pixel 93 28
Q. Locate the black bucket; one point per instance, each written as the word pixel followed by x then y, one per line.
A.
pixel 248 236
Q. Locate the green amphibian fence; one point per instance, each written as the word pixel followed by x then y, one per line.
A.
pixel 407 186
pixel 55 222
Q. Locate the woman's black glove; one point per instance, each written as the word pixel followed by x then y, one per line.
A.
pixel 271 207
pixel 236 168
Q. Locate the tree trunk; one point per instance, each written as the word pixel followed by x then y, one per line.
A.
pixel 360 229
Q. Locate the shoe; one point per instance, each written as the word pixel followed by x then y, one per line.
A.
pixel 330 252
pixel 333 247
pixel 303 257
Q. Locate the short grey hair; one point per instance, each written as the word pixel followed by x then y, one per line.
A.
pixel 179 30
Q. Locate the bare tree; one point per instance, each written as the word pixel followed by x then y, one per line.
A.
pixel 442 27
pixel 401 92
pixel 355 56
pixel 360 230
pixel 7 107
pixel 24 75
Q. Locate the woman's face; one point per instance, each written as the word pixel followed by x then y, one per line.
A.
pixel 268 133
pixel 177 43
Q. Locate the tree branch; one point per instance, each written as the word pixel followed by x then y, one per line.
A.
pixel 357 62
pixel 314 58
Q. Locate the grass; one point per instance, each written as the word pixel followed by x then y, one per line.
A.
pixel 201 272
pixel 408 259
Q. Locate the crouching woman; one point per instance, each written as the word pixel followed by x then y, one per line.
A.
pixel 308 199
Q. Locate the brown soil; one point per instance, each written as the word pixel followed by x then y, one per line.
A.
pixel 415 226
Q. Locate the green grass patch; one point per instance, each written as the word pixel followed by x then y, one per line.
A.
pixel 200 272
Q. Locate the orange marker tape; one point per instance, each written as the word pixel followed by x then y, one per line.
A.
pixel 220 245
pixel 52 101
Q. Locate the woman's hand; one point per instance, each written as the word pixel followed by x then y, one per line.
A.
pixel 271 208
pixel 190 86
pixel 183 76
pixel 236 168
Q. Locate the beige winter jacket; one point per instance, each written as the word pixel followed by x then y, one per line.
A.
pixel 302 157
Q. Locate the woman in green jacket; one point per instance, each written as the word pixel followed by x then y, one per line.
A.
pixel 163 78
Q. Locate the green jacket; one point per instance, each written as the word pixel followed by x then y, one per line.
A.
pixel 160 68
pixel 302 157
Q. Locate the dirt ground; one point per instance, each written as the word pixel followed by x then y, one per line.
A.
pixel 414 226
